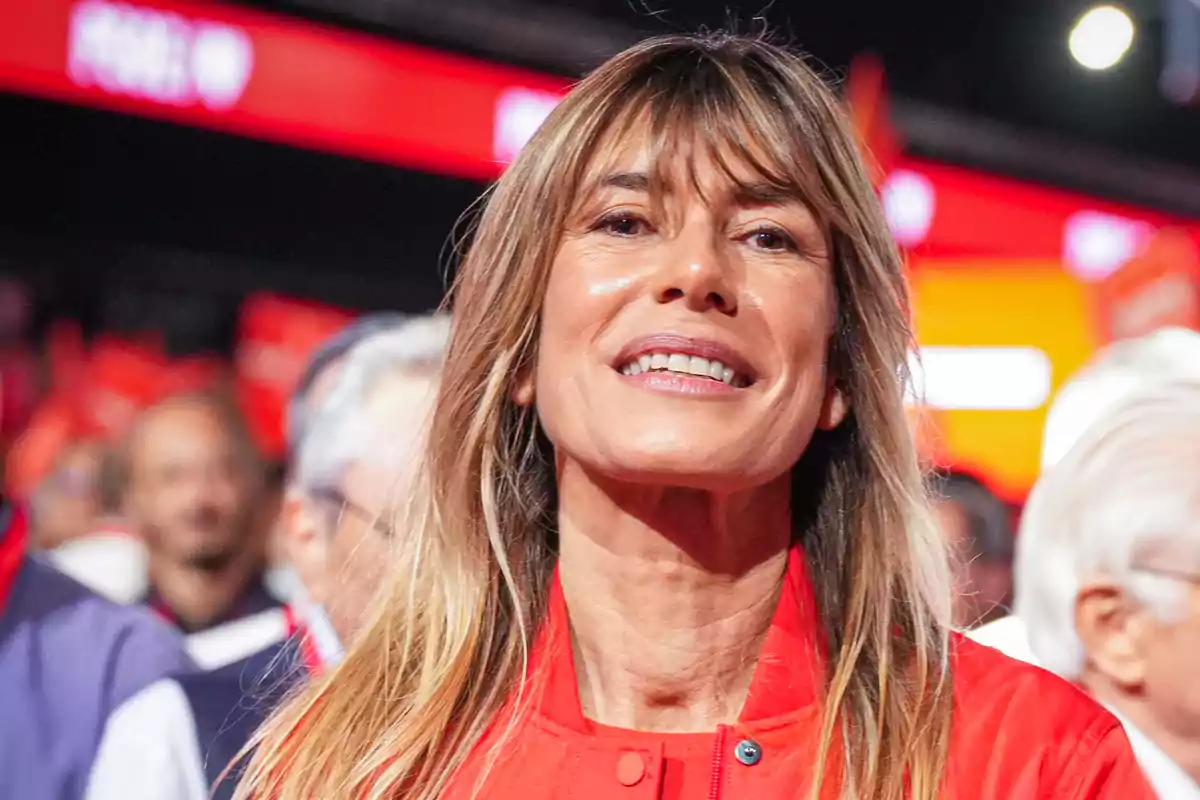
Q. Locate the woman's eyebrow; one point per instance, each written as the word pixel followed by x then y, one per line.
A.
pixel 764 194
pixel 758 193
pixel 633 181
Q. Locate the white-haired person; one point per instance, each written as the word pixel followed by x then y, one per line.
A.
pixel 356 421
pixel 1109 575
pixel 1111 375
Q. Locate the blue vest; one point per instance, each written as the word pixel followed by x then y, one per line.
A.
pixel 230 703
pixel 68 658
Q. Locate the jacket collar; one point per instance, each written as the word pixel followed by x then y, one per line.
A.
pixel 254 599
pixel 308 641
pixel 788 678
pixel 14 532
pixel 1166 777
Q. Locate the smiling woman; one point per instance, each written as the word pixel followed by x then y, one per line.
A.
pixel 671 540
pixel 677 255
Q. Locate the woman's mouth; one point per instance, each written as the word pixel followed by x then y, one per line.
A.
pixel 684 364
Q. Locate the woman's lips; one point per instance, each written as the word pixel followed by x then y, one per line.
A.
pixel 677 383
pixel 695 360
pixel 682 365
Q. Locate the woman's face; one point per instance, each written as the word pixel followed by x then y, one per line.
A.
pixel 684 337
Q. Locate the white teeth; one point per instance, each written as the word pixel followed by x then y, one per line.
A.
pixel 685 365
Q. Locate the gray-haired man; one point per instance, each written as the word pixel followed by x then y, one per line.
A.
pixel 354 426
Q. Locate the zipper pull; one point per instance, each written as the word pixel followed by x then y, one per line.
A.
pixel 717 779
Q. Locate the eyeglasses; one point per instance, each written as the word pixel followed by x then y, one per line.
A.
pixel 336 499
pixel 1170 572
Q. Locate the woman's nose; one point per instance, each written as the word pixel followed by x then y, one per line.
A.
pixel 698 276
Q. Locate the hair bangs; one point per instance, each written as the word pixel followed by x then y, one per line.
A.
pixel 691 106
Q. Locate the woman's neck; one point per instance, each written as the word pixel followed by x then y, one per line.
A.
pixel 670 594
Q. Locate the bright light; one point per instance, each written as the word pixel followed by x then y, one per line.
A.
pixel 519 113
pixel 1101 37
pixel 1095 245
pixel 980 378
pixel 908 204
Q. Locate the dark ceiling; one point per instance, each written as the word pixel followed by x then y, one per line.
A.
pixel 1007 60
pixel 113 221
pixel 996 59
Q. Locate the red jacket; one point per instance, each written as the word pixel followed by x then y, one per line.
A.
pixel 1019 733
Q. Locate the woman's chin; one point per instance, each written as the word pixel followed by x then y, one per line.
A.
pixel 700 458
pixel 712 474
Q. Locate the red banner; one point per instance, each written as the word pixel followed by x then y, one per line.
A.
pixel 275 78
pixel 97 392
pixel 276 337
pixel 867 98
pixel 53 425
pixel 944 211
pixel 121 379
pixel 282 79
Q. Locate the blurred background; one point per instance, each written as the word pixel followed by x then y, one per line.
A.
pixel 200 192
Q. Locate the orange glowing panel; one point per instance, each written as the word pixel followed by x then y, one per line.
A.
pixel 1158 288
pixel 997 339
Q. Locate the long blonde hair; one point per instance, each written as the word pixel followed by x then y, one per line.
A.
pixel 449 644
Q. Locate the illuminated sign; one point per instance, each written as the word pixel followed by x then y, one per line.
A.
pixel 1095 245
pixel 275 78
pixel 1160 287
pixel 942 211
pixel 156 55
pixel 285 80
pixel 997 338
pixel 976 378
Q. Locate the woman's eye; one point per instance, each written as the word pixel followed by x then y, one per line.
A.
pixel 623 225
pixel 772 241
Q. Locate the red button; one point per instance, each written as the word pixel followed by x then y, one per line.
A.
pixel 631 768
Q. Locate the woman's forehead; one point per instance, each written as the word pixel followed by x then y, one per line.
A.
pixel 687 162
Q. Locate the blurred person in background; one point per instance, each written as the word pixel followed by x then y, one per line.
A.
pixel 360 415
pixel 108 558
pixel 312 388
pixel 68 658
pixel 67 504
pixel 355 459
pixel 1111 375
pixel 977 525
pixel 1108 571
pixel 194 494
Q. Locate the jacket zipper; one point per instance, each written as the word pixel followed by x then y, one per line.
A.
pixel 718 764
